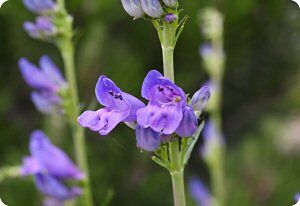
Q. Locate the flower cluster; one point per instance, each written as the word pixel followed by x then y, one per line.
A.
pixel 43 28
pixel 47 81
pixel 51 167
pixel 152 8
pixel 167 114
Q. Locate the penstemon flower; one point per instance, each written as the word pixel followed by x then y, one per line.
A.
pixel 153 8
pixel 201 97
pixel 119 107
pixel 50 167
pixel 168 110
pixel 47 81
pixel 200 192
pixel 170 3
pixel 40 6
pixel 43 28
pixel 133 8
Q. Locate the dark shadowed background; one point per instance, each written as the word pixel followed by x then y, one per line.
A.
pixel 261 106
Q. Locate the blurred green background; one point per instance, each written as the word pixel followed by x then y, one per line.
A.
pixel 261 106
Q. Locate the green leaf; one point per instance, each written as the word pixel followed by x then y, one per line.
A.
pixel 191 144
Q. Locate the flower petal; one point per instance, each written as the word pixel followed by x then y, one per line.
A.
pixel 53 159
pixel 200 192
pixel 164 119
pixel 147 138
pixel 53 187
pixel 109 95
pixel 104 120
pixel 31 166
pixel 34 77
pixel 134 103
pixel 189 123
pixel 149 82
pixel 51 70
pixel 45 102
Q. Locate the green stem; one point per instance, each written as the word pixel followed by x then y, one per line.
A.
pixel 67 51
pixel 177 168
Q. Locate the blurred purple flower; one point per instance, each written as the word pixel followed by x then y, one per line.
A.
pixel 171 17
pixel 201 97
pixel 152 8
pixel 133 8
pixel 47 158
pixel 297 197
pixel 47 82
pixel 52 202
pixel 119 107
pixel 170 3
pixel 212 138
pixel 43 28
pixel 40 6
pixel 50 166
pixel 200 192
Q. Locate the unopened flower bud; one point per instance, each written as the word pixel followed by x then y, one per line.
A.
pixel 171 17
pixel 170 3
pixel 43 28
pixel 152 8
pixel 133 8
pixel 40 6
pixel 200 98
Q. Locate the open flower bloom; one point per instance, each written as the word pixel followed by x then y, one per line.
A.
pixel 43 28
pixel 40 6
pixel 47 82
pixel 50 166
pixel 152 8
pixel 119 107
pixel 168 110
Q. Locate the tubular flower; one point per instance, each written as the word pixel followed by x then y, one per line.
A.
pixel 50 167
pixel 201 97
pixel 40 6
pixel 167 105
pixel 166 113
pixel 133 8
pixel 170 3
pixel 119 107
pixel 200 192
pixel 43 28
pixel 152 8
pixel 47 82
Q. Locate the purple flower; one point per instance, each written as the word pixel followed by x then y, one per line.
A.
pixel 50 167
pixel 147 138
pixel 43 28
pixel 297 197
pixel 133 8
pixel 46 158
pixel 201 97
pixel 212 138
pixel 119 107
pixel 170 3
pixel 53 187
pixel 52 202
pixel 152 8
pixel 47 82
pixel 40 6
pixel 200 192
pixel 167 111
pixel 171 17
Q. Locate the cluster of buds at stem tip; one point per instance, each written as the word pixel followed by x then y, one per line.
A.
pixel 49 23
pixel 151 8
